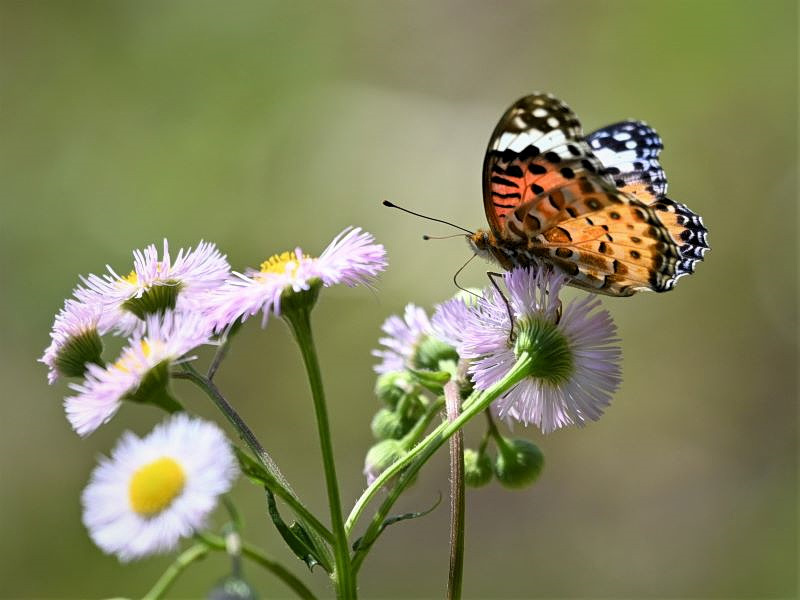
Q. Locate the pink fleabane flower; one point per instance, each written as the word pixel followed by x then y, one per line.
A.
pixel 576 362
pixel 352 258
pixel 154 285
pixel 403 335
pixel 75 340
pixel 145 360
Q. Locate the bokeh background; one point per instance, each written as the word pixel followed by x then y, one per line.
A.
pixel 264 125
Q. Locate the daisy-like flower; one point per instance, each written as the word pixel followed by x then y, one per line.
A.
pixel 141 373
pixel 75 341
pixel 402 338
pixel 576 362
pixel 155 490
pixel 155 285
pixel 411 342
pixel 352 258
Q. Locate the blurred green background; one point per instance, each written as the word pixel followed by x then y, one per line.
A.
pixel 262 126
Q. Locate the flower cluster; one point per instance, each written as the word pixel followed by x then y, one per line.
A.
pixel 478 338
pixel 158 489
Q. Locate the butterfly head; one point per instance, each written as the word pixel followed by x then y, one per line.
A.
pixel 484 244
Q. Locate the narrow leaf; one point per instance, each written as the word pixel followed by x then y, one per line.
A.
pixel 357 545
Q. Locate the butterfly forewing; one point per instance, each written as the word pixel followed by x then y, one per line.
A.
pixel 536 146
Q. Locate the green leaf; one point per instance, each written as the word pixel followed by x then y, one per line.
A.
pixel 295 536
pixel 358 544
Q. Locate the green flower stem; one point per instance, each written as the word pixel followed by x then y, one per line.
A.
pixel 219 356
pixel 456 572
pixel 186 558
pixel 257 556
pixel 299 320
pixel 278 486
pixel 411 463
pixel 420 426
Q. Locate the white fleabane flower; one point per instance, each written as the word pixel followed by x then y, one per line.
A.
pixel 75 341
pixel 352 258
pixel 155 490
pixel 140 371
pixel 575 367
pixel 154 285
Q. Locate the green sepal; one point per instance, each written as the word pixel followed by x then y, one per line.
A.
pixel 304 300
pixel 156 299
pixel 357 545
pixel 553 360
pixel 77 352
pixel 433 381
pixel 154 389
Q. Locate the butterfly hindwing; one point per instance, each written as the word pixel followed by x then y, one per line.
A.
pixel 605 240
pixel 629 153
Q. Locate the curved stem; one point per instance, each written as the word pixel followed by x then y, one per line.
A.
pixel 412 462
pixel 279 486
pixel 257 556
pixel 300 323
pixel 179 565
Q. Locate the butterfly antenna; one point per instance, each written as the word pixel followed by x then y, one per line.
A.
pixel 441 237
pixel 416 214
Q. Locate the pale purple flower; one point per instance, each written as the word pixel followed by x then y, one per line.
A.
pixel 402 338
pixel 352 258
pixel 75 321
pixel 570 391
pixel 167 339
pixel 192 274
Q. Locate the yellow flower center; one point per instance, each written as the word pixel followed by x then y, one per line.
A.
pixel 130 360
pixel 154 486
pixel 132 278
pixel 285 262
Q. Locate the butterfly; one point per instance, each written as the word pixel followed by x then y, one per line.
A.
pixel 593 207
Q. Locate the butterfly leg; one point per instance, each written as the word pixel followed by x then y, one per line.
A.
pixel 492 275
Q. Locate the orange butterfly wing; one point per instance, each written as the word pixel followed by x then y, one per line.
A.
pixel 549 199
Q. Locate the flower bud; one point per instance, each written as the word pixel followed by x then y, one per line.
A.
pixel 477 468
pixel 232 588
pixel 518 463
pixel 392 387
pixel 387 424
pixel 431 353
pixel 381 456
